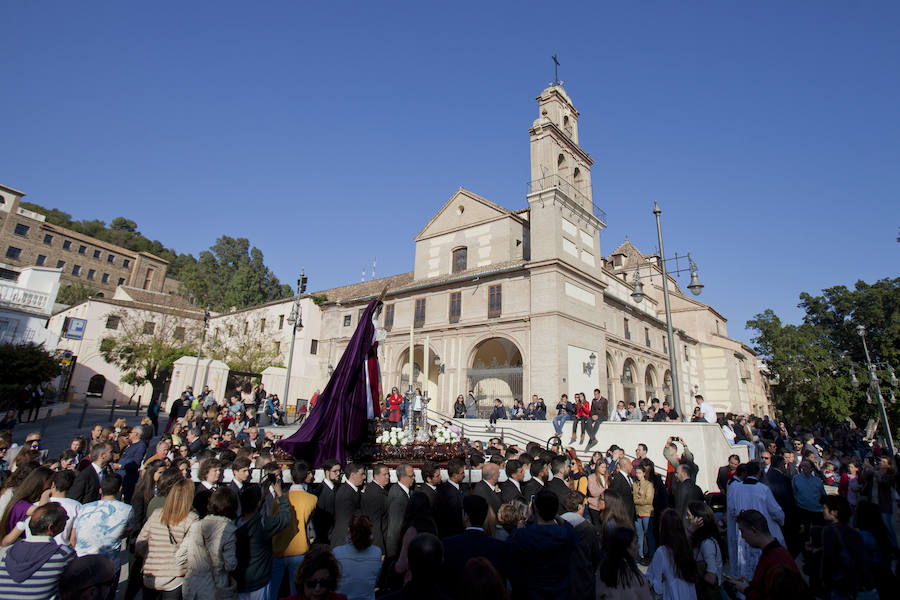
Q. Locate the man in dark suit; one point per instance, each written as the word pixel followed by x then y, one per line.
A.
pixel 129 465
pixel 726 473
pixel 323 518
pixel 472 542
pixel 448 507
pixel 511 489
pixel 686 491
pixel 86 487
pixel 431 478
pixel 620 483
pixel 486 488
pixel 374 503
pixel 559 469
pixel 347 499
pixel 397 499
pixel 540 472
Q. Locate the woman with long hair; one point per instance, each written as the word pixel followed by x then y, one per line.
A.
pixel 35 487
pixel 168 478
pixel 360 560
pixel 394 404
pixel 459 407
pixel 642 494
pixel 597 482
pixel 159 540
pixel 481 581
pixel 706 541
pixel 615 514
pixel 418 519
pixel 208 550
pixel 618 576
pixel 15 480
pixel 673 569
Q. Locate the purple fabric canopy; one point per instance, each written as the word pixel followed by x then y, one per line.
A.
pixel 337 425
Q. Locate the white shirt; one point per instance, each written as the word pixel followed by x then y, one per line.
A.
pixel 453 483
pixel 99 471
pixel 329 483
pixel 708 412
pixel 417 403
pixel 404 488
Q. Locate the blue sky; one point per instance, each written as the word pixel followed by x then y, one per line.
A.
pixel 769 132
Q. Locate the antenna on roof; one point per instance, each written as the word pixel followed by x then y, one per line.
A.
pixel 374 258
pixel 362 278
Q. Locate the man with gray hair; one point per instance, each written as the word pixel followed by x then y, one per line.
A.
pixel 129 465
pixel 487 487
pixel 195 444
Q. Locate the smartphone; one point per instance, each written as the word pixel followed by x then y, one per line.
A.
pixel 271 478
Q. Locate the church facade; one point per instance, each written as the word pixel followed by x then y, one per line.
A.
pixel 514 303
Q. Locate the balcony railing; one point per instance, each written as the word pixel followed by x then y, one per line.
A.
pixel 578 198
pixel 11 295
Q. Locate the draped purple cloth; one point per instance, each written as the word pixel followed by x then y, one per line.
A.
pixel 337 425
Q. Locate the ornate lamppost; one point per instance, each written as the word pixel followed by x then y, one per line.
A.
pixel 694 286
pixel 295 320
pixel 875 386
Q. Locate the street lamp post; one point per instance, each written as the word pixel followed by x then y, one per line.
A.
pixel 200 350
pixel 875 387
pixel 295 320
pixel 694 286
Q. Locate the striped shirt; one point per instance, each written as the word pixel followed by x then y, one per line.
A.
pixel 43 583
pixel 158 543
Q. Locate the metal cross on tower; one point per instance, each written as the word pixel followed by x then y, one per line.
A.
pixel 556 80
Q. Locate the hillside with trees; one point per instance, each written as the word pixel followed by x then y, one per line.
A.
pixel 231 273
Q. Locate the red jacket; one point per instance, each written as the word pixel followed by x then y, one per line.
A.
pixel 584 409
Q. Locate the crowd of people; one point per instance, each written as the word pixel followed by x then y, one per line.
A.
pixel 202 510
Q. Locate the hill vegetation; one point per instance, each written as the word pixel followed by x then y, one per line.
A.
pixel 230 273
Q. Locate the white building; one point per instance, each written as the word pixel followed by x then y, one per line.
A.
pixel 26 303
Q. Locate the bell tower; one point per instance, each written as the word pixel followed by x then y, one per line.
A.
pixel 564 221
pixel 556 156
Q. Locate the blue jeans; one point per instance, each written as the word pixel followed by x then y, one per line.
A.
pixel 559 421
pixel 279 566
pixel 642 528
pixel 751 449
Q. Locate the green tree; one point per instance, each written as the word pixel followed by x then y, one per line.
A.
pixel 147 345
pixel 123 224
pixel 74 293
pixel 21 365
pixel 248 348
pixel 231 274
pixel 811 362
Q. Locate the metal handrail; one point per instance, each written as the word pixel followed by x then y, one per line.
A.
pixel 523 438
pixel 555 181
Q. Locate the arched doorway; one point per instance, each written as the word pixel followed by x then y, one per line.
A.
pixel 650 383
pixel 418 372
pixel 629 373
pixel 96 385
pixel 495 372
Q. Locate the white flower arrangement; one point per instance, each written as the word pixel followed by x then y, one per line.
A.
pixel 442 435
pixel 394 437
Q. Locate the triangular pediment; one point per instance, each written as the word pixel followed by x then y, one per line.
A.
pixel 463 209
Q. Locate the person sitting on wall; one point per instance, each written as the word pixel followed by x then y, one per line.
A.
pixel 498 413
